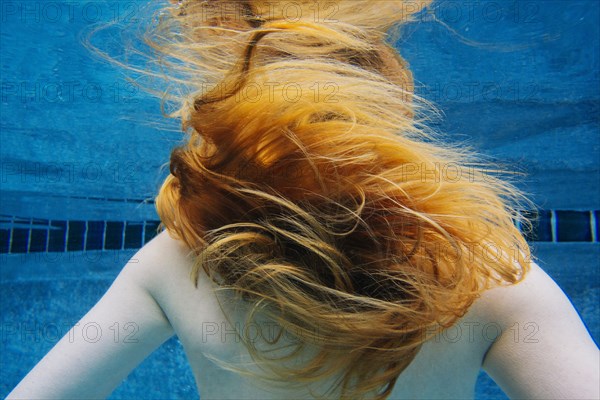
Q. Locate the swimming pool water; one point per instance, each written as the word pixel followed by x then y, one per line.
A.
pixel 82 150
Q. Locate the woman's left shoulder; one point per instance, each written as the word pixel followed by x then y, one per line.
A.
pixel 543 349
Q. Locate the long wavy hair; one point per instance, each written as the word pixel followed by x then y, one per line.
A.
pixel 311 187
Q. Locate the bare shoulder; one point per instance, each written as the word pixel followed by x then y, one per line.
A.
pixel 537 299
pixel 163 268
pixel 96 367
pixel 188 305
pixel 544 350
pixel 166 274
pixel 161 255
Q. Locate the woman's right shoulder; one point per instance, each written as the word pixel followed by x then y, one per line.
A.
pixel 190 306
pixel 160 261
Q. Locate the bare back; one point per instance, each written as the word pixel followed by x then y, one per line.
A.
pixel 451 361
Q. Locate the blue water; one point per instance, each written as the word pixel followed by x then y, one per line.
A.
pixel 517 80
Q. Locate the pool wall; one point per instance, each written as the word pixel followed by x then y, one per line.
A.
pixel 82 150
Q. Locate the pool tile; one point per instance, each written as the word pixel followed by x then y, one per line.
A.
pixel 114 235
pixel 4 240
pixel 20 239
pixel 133 234
pixel 95 235
pixel 57 237
pixel 75 239
pixel 573 226
pixel 38 240
pixel 150 231
pixel 541 229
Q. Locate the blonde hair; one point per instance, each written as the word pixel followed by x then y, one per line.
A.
pixel 310 186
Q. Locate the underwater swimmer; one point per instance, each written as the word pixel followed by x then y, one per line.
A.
pixel 328 281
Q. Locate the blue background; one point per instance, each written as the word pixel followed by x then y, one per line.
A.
pixel 517 80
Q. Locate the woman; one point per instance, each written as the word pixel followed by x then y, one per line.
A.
pixel 330 256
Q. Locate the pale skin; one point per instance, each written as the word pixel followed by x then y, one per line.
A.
pixel 543 351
